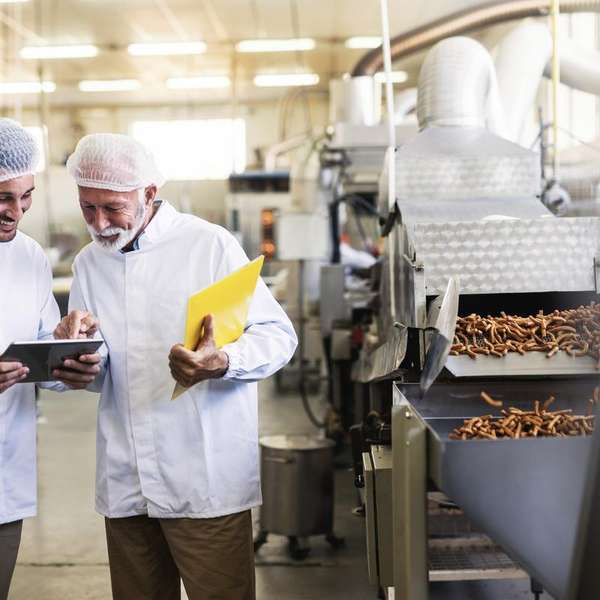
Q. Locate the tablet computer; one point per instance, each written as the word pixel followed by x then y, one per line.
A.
pixel 43 356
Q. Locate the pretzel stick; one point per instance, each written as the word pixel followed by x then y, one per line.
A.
pixel 516 423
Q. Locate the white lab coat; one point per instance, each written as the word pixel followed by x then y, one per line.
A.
pixel 28 311
pixel 196 456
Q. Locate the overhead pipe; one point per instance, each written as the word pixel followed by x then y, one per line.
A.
pixel 579 67
pixel 463 22
pixel 520 59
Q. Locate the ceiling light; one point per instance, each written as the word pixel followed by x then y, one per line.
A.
pixel 204 82
pixel 363 42
pixel 49 52
pixel 27 87
pixel 12 1
pixel 166 48
pixel 109 85
pixel 282 80
pixel 265 45
pixel 395 77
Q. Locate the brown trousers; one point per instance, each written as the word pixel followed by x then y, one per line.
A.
pixel 213 557
pixel 10 538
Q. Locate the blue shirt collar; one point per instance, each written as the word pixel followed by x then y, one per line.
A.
pixel 136 243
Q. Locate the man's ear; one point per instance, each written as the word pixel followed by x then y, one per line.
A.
pixel 150 195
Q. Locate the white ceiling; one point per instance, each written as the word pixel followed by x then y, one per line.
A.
pixel 112 24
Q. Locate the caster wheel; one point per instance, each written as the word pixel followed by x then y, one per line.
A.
pixel 334 541
pixel 296 550
pixel 260 540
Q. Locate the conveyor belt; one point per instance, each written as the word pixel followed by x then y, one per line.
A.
pixel 531 496
pixel 470 559
pixel 513 364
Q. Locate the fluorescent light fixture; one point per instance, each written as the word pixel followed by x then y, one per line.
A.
pixel 109 85
pixel 283 79
pixel 13 1
pixel 395 76
pixel 283 45
pixel 363 42
pixel 27 87
pixel 50 52
pixel 204 82
pixel 166 48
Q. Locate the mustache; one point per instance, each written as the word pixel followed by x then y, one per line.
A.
pixel 110 231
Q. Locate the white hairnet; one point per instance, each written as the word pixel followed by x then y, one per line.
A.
pixel 19 154
pixel 110 161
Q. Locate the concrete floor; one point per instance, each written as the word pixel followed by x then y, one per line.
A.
pixel 63 552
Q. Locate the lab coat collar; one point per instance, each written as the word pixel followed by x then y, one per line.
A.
pixel 11 243
pixel 158 226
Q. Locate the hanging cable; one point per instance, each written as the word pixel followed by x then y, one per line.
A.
pixel 301 343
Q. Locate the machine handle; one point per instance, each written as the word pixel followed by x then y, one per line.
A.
pixel 279 459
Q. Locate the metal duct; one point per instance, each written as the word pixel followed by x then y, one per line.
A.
pixel 457 87
pixel 355 100
pixel 460 151
pixel 405 103
pixel 520 59
pixel 466 21
pixel 579 67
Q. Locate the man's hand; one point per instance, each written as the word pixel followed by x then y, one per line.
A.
pixel 78 373
pixel 207 362
pixel 11 373
pixel 78 324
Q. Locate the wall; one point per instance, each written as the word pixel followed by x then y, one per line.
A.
pixel 66 125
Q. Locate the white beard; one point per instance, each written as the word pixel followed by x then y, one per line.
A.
pixel 124 235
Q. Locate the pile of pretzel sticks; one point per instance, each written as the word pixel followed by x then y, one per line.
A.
pixel 575 331
pixel 516 423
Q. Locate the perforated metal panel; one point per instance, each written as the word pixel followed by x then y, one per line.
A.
pixel 509 255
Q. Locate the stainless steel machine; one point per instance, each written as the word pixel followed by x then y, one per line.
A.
pixel 534 499
pixel 464 206
pixel 252 206
pixel 530 500
pixel 350 163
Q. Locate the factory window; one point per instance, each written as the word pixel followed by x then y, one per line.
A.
pixel 578 110
pixel 198 149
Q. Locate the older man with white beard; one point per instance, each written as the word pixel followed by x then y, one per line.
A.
pixel 175 479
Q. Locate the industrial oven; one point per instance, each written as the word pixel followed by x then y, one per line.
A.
pixel 529 505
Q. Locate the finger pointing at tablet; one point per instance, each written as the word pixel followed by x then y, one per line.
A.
pixel 78 324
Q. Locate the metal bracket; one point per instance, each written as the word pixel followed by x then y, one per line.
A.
pixel 409 446
pixel 388 224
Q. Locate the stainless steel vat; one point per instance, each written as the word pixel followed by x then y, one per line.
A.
pixel 297 485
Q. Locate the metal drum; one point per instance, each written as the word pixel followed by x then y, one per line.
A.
pixel 297 485
pixel 355 100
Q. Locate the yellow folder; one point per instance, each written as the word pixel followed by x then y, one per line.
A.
pixel 228 302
